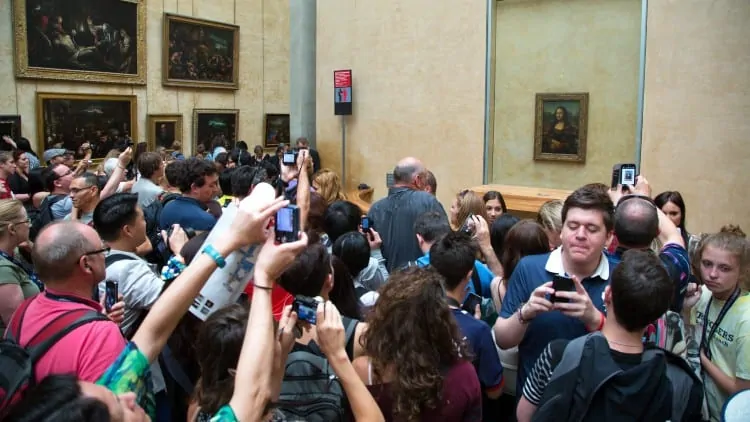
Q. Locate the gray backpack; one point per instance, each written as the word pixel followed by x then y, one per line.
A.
pixel 311 391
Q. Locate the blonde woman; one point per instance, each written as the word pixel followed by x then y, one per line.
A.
pixel 328 185
pixel 465 204
pixel 550 217
pixel 17 280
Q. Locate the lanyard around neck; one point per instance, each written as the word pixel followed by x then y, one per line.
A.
pixel 706 340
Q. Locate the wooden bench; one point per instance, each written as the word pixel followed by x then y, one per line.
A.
pixel 523 199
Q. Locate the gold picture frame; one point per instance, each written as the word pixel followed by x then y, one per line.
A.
pixel 210 123
pixel 69 120
pixel 47 47
pixel 561 127
pixel 181 68
pixel 163 130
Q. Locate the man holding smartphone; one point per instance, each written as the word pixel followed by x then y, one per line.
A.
pixel 529 319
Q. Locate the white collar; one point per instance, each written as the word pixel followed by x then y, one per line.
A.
pixel 555 265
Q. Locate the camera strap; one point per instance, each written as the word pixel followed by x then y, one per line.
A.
pixel 706 340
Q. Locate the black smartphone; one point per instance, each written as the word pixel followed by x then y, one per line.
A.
pixel 471 302
pixel 365 223
pixel 468 226
pixel 287 224
pixel 563 284
pixel 306 308
pixel 624 174
pixel 110 294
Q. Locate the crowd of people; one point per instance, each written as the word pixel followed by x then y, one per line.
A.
pixel 603 307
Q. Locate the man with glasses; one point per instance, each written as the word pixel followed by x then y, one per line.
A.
pixel 69 259
pixel 57 179
pixel 84 192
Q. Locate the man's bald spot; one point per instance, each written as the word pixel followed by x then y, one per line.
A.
pixel 406 169
pixel 60 245
pixel 636 222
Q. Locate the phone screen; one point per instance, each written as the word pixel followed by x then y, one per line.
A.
pixel 288 158
pixel 471 302
pixel 305 313
pixel 284 221
pixel 365 223
pixel 627 176
pixel 110 292
pixel 563 284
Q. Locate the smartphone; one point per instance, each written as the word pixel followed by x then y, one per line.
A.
pixel 287 224
pixel 468 226
pixel 110 294
pixel 306 308
pixel 624 174
pixel 563 284
pixel 471 302
pixel 365 223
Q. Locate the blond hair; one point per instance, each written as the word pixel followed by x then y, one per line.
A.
pixel 469 203
pixel 550 215
pixel 732 239
pixel 329 186
pixel 10 211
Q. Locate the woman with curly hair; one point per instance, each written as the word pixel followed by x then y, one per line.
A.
pixel 416 364
pixel 328 184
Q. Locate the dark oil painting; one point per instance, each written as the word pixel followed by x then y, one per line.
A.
pixel 69 120
pixel 83 35
pixel 200 53
pixel 215 127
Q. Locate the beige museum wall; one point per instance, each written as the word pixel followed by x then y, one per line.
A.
pixel 418 71
pixel 558 46
pixel 264 69
pixel 697 103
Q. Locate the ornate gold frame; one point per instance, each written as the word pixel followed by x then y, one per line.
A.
pixel 199 111
pixel 583 120
pixel 41 96
pixel 151 122
pixel 166 81
pixel 23 70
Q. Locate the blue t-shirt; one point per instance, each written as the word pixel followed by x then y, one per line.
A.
pixel 484 273
pixel 187 212
pixel 478 335
pixel 530 273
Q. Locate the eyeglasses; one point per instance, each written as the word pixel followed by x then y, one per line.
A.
pixel 74 191
pixel 27 220
pixel 98 251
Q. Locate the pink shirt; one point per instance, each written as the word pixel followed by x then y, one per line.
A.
pixel 86 351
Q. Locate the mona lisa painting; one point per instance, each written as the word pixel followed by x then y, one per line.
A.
pixel 560 127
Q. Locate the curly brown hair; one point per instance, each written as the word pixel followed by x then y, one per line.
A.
pixel 413 335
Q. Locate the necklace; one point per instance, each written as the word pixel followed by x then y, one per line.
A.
pixel 624 344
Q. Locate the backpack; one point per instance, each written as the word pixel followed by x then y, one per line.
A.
pixel 17 361
pixel 577 389
pixel 311 390
pixel 152 214
pixel 44 215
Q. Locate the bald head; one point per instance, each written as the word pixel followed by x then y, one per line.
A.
pixel 636 223
pixel 58 248
pixel 407 170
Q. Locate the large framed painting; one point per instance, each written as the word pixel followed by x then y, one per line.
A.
pixel 561 126
pixel 10 126
pixel 211 127
pixel 81 40
pixel 200 53
pixel 277 130
pixel 69 120
pixel 163 130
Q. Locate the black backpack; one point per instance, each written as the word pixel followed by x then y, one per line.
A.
pixel 578 387
pixel 152 214
pixel 17 361
pixel 311 391
pixel 44 215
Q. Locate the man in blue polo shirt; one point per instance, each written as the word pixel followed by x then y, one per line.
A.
pixel 453 257
pixel 431 227
pixel 531 317
pixel 199 184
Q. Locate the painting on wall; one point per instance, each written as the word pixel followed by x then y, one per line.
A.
pixel 164 130
pixel 561 126
pixel 10 126
pixel 277 130
pixel 81 40
pixel 211 127
pixel 200 53
pixel 69 120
